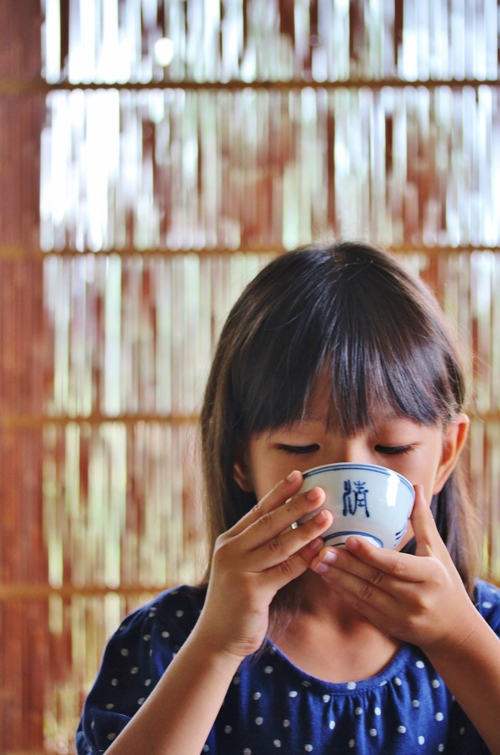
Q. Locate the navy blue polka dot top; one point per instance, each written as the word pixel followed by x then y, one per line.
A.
pixel 272 705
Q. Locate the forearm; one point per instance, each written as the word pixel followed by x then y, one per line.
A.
pixel 181 710
pixel 471 671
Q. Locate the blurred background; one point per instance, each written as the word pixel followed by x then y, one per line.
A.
pixel 154 155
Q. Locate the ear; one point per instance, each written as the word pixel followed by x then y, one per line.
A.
pixel 241 468
pixel 454 440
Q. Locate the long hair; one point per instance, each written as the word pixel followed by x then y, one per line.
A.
pixel 350 311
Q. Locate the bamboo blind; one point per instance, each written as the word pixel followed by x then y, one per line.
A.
pixel 138 196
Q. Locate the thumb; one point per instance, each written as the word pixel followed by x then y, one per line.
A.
pixel 424 527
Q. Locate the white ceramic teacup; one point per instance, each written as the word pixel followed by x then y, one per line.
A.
pixel 366 500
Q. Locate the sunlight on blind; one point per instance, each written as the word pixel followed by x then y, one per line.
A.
pixel 188 170
pixel 224 40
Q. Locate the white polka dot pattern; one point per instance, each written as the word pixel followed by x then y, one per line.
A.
pixel 271 705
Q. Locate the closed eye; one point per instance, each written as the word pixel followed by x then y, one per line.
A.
pixel 393 450
pixel 298 449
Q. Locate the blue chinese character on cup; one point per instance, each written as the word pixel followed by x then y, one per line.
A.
pixel 354 495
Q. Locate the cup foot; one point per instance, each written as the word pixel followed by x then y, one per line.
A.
pixel 339 538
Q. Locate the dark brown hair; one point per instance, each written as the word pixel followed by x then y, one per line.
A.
pixel 351 311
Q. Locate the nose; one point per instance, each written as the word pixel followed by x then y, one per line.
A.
pixel 355 450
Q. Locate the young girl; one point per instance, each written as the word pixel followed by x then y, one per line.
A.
pixel 331 354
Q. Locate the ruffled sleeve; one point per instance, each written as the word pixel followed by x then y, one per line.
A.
pixel 487 600
pixel 134 660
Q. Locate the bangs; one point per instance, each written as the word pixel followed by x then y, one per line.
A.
pixel 369 337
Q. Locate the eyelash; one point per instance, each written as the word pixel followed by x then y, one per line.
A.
pixel 298 449
pixel 386 450
pixel 393 450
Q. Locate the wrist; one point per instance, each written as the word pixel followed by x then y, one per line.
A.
pixel 214 651
pixel 456 640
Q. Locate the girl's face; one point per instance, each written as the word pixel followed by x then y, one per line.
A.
pixel 424 455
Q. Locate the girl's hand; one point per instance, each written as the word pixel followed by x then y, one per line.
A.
pixel 418 599
pixel 254 559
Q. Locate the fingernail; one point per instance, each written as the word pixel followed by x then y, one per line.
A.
pixel 293 476
pixel 321 568
pixel 330 557
pixel 352 544
pixel 320 517
pixel 315 544
pixel 313 494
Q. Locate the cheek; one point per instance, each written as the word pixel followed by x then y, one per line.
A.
pixel 268 469
pixel 426 478
pixel 424 469
pixel 265 477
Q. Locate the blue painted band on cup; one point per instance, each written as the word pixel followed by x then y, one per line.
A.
pixel 352 533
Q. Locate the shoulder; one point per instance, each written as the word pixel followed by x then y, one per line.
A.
pixel 175 610
pixel 134 660
pixel 152 634
pixel 487 602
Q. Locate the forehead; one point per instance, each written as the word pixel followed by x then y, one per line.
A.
pixel 320 406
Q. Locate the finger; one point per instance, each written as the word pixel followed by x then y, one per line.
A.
pixel 360 589
pixel 290 568
pixel 375 609
pixel 424 526
pixel 288 544
pixel 375 564
pixel 276 497
pixel 281 519
pixel 336 563
pixel 311 550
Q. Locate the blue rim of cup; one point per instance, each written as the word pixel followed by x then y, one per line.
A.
pixel 367 467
